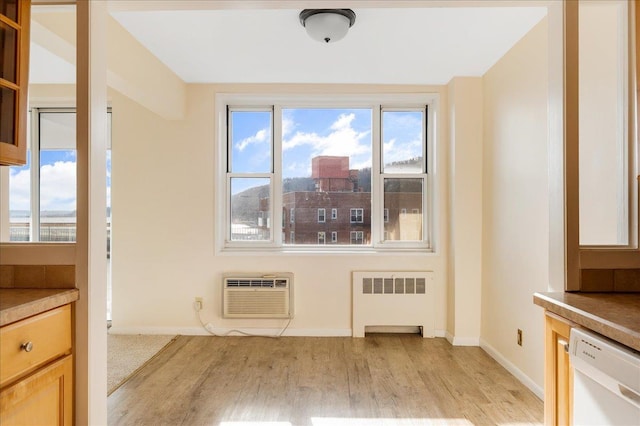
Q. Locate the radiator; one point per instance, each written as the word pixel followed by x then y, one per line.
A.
pixel 393 299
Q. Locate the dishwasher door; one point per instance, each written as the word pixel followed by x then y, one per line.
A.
pixel 606 381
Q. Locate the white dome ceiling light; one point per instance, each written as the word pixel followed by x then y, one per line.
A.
pixel 327 25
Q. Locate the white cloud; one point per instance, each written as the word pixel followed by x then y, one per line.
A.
pixel 58 186
pixel 344 140
pixel 261 136
pixel 287 126
pixel 394 151
pixel 20 190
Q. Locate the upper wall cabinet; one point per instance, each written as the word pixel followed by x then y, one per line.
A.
pixel 601 145
pixel 14 76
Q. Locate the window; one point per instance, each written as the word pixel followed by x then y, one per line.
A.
pixel 301 155
pixel 321 215
pixel 334 236
pixel 321 237
pixel 46 211
pixel 357 237
pixel 357 215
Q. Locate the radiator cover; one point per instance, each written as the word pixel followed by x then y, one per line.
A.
pixel 393 299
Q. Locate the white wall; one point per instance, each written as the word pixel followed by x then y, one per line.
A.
pixel 163 217
pixel 516 205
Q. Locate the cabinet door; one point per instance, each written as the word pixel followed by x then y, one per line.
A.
pixel 15 17
pixel 558 378
pixel 43 398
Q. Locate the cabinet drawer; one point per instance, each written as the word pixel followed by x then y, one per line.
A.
pixel 49 334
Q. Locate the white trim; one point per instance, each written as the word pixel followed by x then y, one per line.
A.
pixel 461 341
pixel 511 368
pixel 200 331
pixel 429 98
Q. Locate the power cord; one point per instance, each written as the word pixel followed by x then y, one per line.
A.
pixel 197 306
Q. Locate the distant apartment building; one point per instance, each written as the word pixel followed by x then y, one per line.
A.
pixel 339 212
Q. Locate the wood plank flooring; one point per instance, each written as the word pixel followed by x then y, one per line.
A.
pixel 298 381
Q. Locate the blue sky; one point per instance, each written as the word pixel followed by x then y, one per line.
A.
pixel 311 132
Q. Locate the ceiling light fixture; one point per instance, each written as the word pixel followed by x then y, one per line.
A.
pixel 327 25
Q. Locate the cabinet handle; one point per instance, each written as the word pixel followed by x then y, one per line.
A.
pixel 564 344
pixel 27 347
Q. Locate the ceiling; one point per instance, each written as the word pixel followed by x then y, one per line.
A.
pixel 387 45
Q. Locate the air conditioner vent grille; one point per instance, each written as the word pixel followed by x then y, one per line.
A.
pixel 256 282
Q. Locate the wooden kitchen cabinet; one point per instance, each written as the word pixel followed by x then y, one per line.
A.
pixel 558 378
pixel 15 16
pixel 36 370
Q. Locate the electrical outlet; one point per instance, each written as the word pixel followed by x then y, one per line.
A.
pixel 519 337
pixel 198 303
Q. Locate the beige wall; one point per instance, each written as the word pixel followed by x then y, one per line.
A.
pixel 516 205
pixel 163 220
pixel 465 207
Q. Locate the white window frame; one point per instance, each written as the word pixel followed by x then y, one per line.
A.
pixel 377 102
pixel 359 237
pixel 322 215
pixel 292 215
pixel 34 149
pixel 334 214
pixel 386 218
pixel 322 237
pixel 359 215
pixel 334 236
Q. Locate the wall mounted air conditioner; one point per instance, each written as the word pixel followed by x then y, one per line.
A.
pixel 257 296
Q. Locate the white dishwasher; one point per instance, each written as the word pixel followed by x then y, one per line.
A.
pixel 606 381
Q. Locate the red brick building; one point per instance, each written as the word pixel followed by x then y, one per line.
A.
pixel 338 212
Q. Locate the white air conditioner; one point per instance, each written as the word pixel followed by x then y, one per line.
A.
pixel 257 296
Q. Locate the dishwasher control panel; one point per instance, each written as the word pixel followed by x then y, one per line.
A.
pixel 606 361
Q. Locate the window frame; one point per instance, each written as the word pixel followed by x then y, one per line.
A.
pixel 359 215
pixel 334 214
pixel 34 148
pixel 322 237
pixel 322 215
pixel 425 101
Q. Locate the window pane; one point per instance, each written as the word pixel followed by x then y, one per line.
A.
pixel 9 43
pixel 9 8
pixel 58 195
pixel 250 209
pixel 20 201
pixel 604 155
pixel 403 200
pixel 7 115
pixel 326 166
pixel 403 141
pixel 57 176
pixel 250 141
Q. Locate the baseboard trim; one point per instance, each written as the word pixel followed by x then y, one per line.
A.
pixel 511 368
pixel 200 331
pixel 461 341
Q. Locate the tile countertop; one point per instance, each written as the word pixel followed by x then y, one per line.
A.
pixel 614 315
pixel 17 304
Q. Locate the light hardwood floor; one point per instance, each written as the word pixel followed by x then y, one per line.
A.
pixel 378 380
